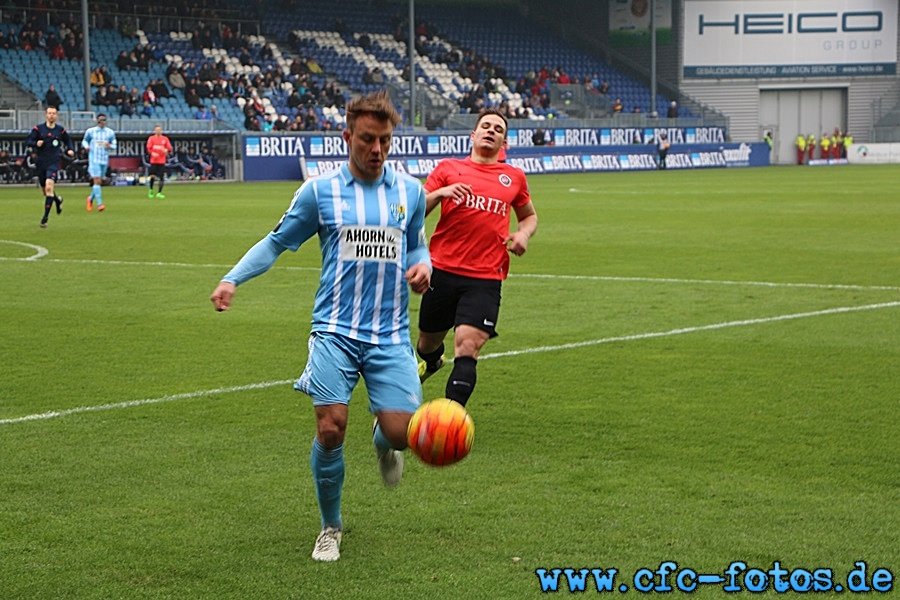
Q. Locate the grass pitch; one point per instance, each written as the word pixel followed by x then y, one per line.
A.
pixel 699 367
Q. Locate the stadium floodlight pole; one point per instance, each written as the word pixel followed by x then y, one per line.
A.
pixel 653 58
pixel 411 47
pixel 87 55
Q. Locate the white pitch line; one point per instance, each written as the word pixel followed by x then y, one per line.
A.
pixel 625 338
pixel 130 403
pixel 726 324
pixel 769 284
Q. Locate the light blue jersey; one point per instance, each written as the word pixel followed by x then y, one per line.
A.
pixel 94 142
pixel 369 235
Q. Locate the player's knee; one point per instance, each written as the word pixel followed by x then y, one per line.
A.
pixel 330 432
pixel 394 426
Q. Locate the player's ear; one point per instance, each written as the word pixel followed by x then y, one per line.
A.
pixel 347 133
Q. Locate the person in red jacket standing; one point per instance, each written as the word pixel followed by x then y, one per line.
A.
pixel 159 147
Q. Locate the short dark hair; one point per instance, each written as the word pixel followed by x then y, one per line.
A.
pixel 491 110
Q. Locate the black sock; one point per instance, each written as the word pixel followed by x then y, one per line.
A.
pixel 48 204
pixel 432 358
pixel 461 383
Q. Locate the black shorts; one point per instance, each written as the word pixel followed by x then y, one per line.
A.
pixel 455 300
pixel 158 171
pixel 45 172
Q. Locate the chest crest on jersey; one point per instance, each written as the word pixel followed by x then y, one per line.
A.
pixel 398 211
pixel 505 180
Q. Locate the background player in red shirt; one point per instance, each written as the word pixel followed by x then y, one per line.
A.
pixel 159 147
pixel 470 252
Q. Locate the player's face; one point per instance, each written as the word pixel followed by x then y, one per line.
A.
pixel 157 130
pixel 51 114
pixel 489 135
pixel 369 141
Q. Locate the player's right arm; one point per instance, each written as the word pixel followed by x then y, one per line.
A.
pixel 255 262
pixel 34 140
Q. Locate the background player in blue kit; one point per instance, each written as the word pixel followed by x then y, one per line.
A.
pixel 98 141
pixel 370 221
pixel 48 141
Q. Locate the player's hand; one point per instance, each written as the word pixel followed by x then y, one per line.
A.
pixel 419 278
pixel 39 143
pixel 222 295
pixel 456 191
pixel 517 243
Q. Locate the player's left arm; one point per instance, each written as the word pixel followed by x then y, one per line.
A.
pixel 112 144
pixel 517 242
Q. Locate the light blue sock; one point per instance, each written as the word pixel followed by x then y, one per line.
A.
pixel 381 442
pixel 97 195
pixel 328 475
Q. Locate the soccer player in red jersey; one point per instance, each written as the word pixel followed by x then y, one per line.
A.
pixel 470 250
pixel 159 147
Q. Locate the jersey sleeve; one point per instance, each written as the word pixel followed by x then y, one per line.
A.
pixel 86 141
pixel 32 138
pixel 256 261
pixel 524 195
pixel 301 219
pixel 437 178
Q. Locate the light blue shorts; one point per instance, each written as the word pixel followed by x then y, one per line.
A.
pixel 336 362
pixel 97 170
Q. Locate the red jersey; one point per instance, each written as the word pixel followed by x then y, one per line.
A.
pixel 470 237
pixel 159 147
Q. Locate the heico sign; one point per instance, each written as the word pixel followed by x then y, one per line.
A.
pixel 789 38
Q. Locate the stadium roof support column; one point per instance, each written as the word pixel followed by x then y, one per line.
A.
pixel 411 48
pixel 87 54
pixel 653 112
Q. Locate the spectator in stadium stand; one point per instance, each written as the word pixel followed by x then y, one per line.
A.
pixel 97 78
pixel 203 114
pixel 617 106
pixel 672 112
pixel 800 143
pixel 52 98
pixel 469 263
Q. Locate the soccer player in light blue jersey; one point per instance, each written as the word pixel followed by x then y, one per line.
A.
pixel 370 221
pixel 98 141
